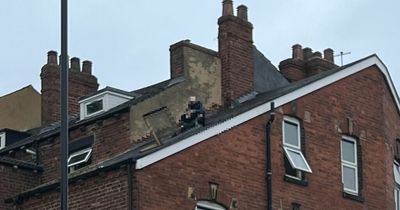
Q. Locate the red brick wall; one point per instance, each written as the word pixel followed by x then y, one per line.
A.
pixel 111 137
pixel 234 162
pixel 14 181
pixel 235 159
pixel 236 53
pixel 107 191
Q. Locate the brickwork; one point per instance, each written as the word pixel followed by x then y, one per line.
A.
pixel 236 53
pixel 305 63
pixel 235 159
pixel 81 83
pixel 177 59
pixel 106 191
pixel 111 137
pixel 13 181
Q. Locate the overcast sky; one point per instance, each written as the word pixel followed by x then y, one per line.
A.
pixel 128 40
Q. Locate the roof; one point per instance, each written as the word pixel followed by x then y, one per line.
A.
pixel 21 164
pixel 111 89
pixel 261 104
pixel 222 120
pixel 266 76
pixel 22 89
pixel 53 129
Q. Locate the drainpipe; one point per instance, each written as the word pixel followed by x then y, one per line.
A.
pixel 130 185
pixel 268 155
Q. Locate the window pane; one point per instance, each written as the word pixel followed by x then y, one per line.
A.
pixel 349 178
pixel 94 107
pixel 291 134
pixel 396 172
pixel 77 158
pixel 348 151
pixel 396 198
pixel 297 160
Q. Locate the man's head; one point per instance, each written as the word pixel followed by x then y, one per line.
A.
pixel 192 99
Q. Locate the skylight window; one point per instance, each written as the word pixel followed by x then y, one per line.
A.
pixel 79 157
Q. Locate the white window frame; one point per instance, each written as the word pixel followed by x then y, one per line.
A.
pixel 291 120
pixel 396 175
pixel 349 164
pixel 96 112
pixel 2 140
pixel 294 148
pixel 292 163
pixel 80 152
pixel 209 205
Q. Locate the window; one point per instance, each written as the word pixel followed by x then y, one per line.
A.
pixel 207 205
pixel 295 162
pixel 396 172
pixel 94 107
pixel 349 165
pixel 81 156
pixel 2 140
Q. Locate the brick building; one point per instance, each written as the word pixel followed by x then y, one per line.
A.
pixel 334 137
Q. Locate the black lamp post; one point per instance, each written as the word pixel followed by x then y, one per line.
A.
pixel 64 105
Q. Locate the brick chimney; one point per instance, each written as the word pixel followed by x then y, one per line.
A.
pixel 305 63
pixel 81 83
pixel 236 52
pixel 177 59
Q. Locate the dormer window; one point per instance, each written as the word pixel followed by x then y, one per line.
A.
pixel 94 107
pixel 103 101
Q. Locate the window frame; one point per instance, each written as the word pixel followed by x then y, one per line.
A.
pixel 96 112
pixel 396 174
pixel 296 122
pixel 294 148
pixel 2 140
pixel 287 149
pixel 77 153
pixel 351 165
pixel 208 205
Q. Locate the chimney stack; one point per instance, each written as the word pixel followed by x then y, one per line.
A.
pixel 235 49
pixel 177 58
pixel 80 84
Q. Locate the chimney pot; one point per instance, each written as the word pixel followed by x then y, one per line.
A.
pixel 307 53
pixel 52 57
pixel 227 7
pixel 297 52
pixel 75 64
pixel 328 55
pixel 317 54
pixel 242 12
pixel 87 67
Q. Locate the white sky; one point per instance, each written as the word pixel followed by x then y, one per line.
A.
pixel 128 40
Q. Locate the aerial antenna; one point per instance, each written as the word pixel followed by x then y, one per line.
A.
pixel 341 56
